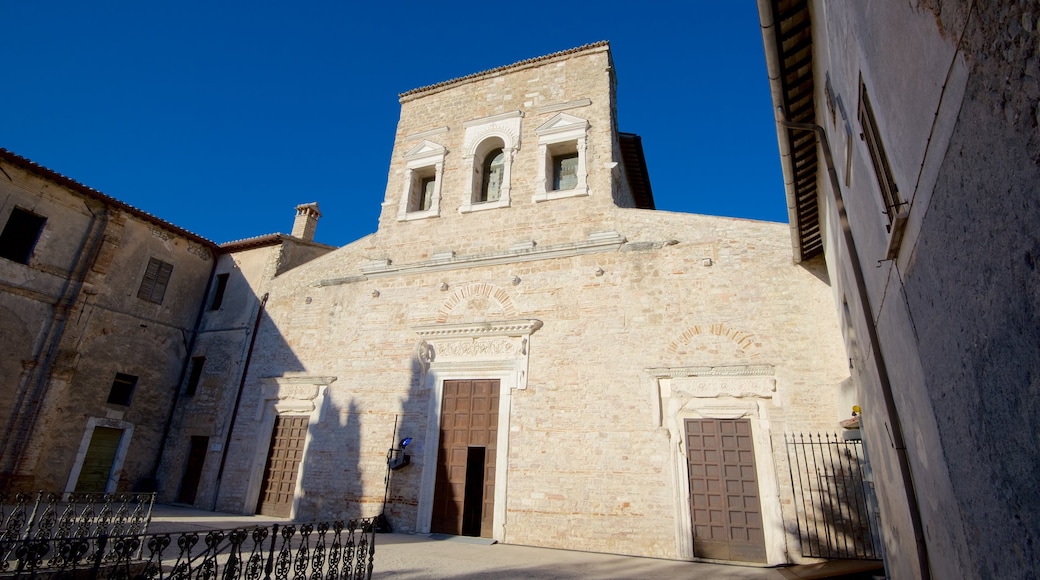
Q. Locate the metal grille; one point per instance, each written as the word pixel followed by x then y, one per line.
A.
pixel 832 498
pixel 338 550
pixel 56 515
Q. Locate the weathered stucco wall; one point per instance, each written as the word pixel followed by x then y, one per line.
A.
pixel 955 99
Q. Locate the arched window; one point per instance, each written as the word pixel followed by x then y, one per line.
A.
pixel 492 174
pixel 489 147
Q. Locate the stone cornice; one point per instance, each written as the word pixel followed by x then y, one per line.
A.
pixel 520 327
pixel 597 242
pixel 723 371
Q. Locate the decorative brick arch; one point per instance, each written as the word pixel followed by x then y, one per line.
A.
pixel 745 341
pixel 483 289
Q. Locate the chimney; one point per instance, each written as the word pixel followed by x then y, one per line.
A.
pixel 306 221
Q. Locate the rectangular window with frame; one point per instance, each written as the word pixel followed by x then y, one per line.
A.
pixel 20 235
pixel 122 389
pixel 421 197
pixel 882 170
pixel 156 278
pixel 197 363
pixel 565 171
pixel 218 292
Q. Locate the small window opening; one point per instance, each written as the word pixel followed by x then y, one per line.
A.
pixel 20 235
pixel 565 171
pixel 196 373
pixel 882 170
pixel 218 292
pixel 122 389
pixel 493 172
pixel 423 185
pixel 156 278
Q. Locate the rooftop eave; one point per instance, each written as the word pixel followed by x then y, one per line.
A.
pixel 787 38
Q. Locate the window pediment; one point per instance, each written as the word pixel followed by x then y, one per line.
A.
pixel 561 127
pixel 424 152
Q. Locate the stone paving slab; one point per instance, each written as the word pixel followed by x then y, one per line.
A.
pixel 422 556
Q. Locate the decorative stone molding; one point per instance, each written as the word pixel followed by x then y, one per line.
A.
pixel 563 106
pixel 597 242
pixel 298 394
pixel 490 291
pixel 744 341
pixel 424 160
pixel 738 381
pixel 504 127
pixel 500 344
pixel 522 327
pixel 724 393
pixel 562 134
pixel 426 134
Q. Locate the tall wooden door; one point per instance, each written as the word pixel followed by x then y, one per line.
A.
pixel 97 464
pixel 724 502
pixel 464 493
pixel 283 464
pixel 193 470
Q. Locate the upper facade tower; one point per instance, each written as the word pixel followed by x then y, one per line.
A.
pixel 529 145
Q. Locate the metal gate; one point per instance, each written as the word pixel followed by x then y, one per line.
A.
pixel 837 516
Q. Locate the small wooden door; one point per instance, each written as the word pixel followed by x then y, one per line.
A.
pixel 283 464
pixel 726 511
pixel 97 464
pixel 464 493
pixel 193 470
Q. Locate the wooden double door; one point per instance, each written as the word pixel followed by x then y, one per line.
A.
pixel 284 456
pixel 724 496
pixel 464 493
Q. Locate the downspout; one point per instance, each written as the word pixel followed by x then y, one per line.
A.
pixel 898 440
pixel 238 401
pixel 151 482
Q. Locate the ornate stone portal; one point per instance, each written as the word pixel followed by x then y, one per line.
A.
pixel 720 392
pixel 478 350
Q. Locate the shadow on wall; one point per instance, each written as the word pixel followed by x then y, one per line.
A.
pixel 346 473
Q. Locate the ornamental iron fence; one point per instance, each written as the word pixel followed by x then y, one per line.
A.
pixel 837 517
pixel 314 551
pixel 66 515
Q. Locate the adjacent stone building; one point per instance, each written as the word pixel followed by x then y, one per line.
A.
pixel 98 304
pixel 908 133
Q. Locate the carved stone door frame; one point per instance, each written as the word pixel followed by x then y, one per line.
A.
pixel 485 350
pixel 722 392
pixel 297 394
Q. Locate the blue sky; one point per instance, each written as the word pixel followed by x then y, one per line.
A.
pixel 221 117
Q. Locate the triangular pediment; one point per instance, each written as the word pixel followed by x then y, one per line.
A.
pixel 425 149
pixel 562 122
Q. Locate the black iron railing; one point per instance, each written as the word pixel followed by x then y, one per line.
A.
pixel 330 551
pixel 66 515
pixel 835 519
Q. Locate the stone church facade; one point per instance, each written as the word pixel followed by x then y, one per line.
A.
pixel 574 368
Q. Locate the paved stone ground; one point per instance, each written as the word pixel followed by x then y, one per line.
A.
pixel 417 556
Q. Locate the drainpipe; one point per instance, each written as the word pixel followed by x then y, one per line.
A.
pixel 238 400
pixel 151 482
pixel 892 411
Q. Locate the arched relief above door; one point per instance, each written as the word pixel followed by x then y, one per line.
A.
pixel 478 300
pixel 715 340
pixel 477 345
